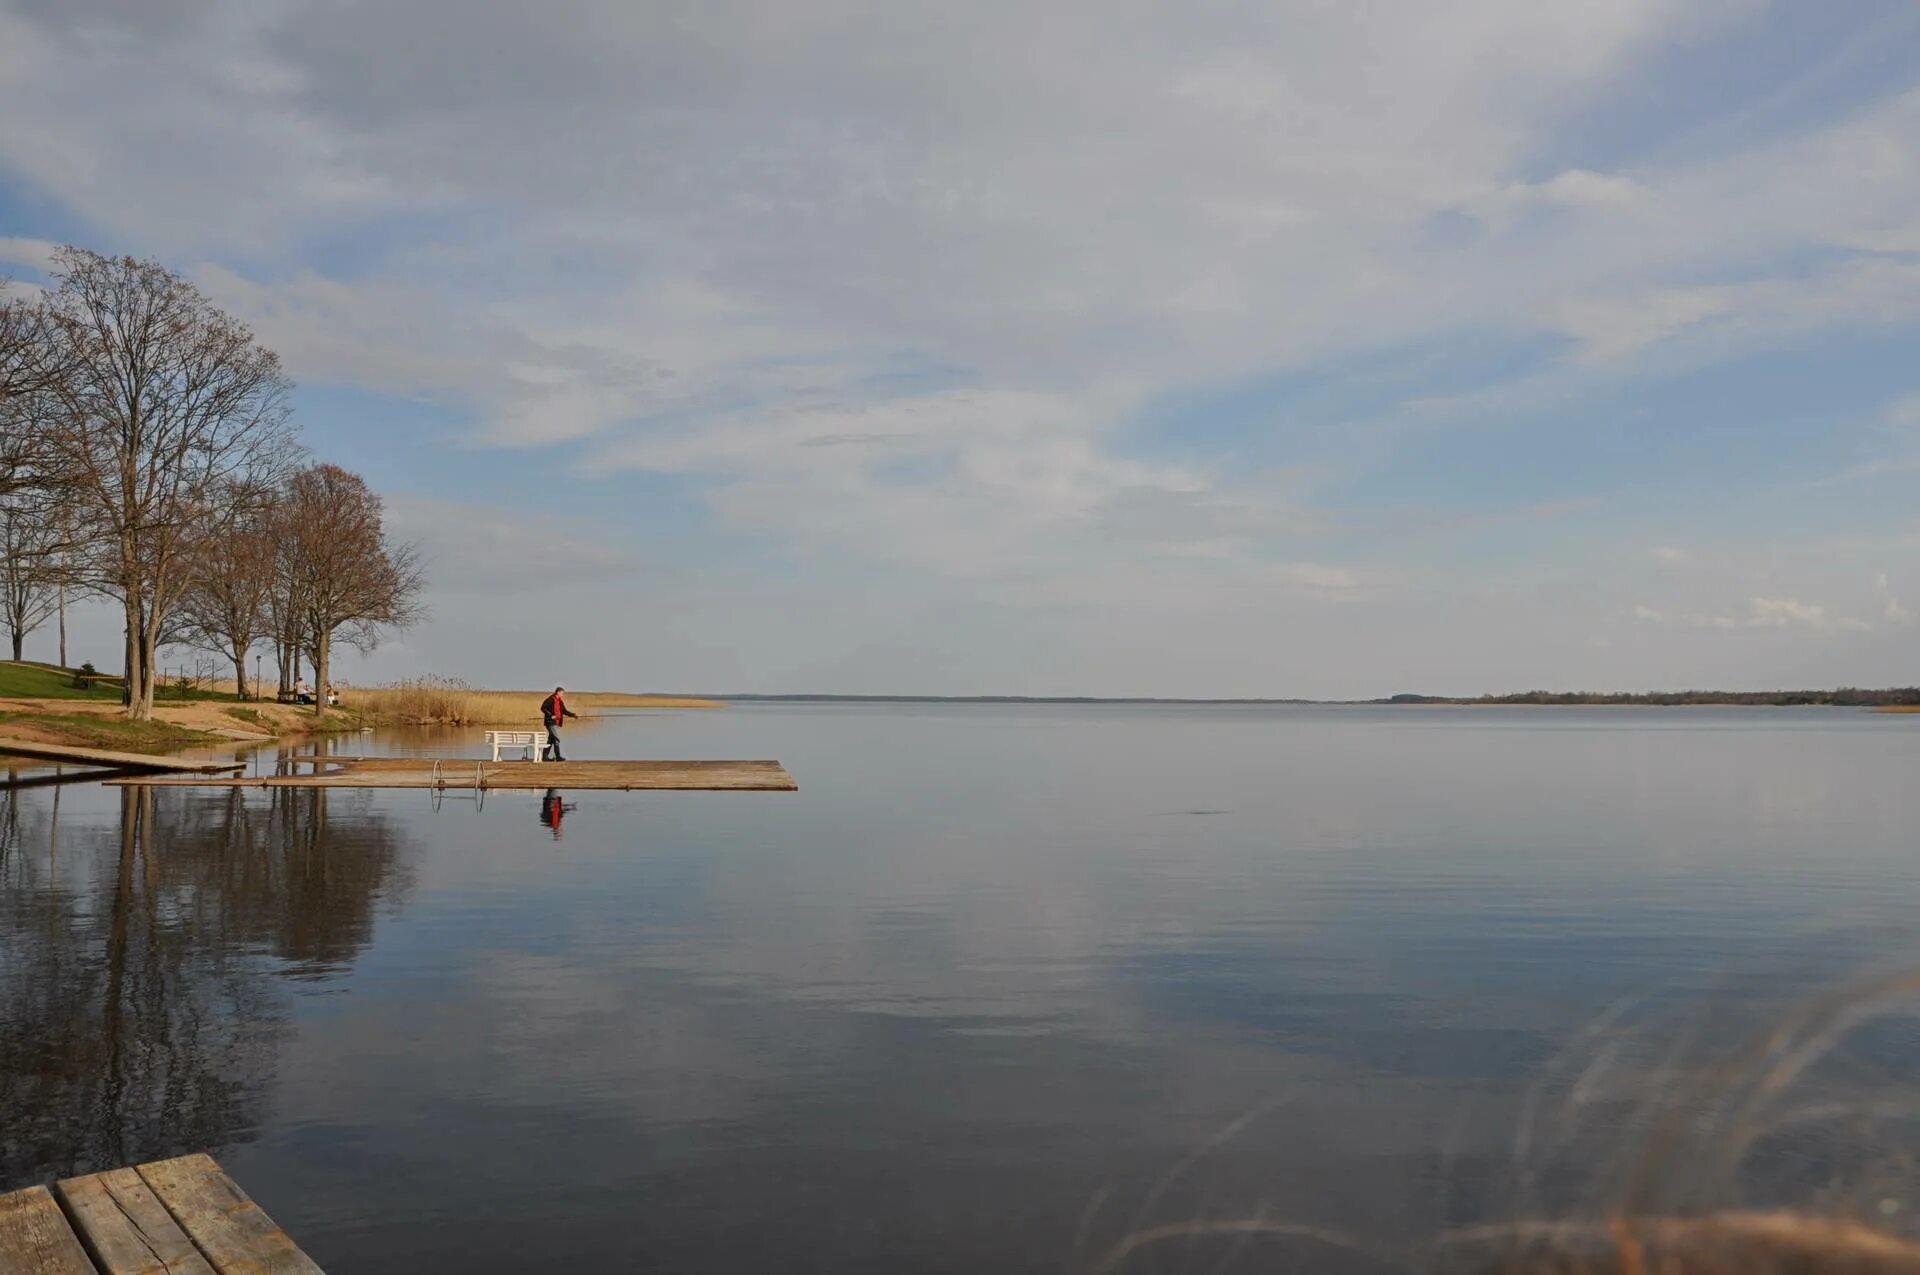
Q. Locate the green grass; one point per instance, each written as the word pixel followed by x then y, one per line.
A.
pixel 49 681
pixel 114 732
pixel 251 717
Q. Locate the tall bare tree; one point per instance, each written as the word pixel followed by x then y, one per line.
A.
pixel 225 609
pixel 31 571
pixel 350 580
pixel 169 405
pixel 286 609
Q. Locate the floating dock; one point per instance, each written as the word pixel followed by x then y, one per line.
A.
pixel 110 760
pixel 457 773
pixel 184 1217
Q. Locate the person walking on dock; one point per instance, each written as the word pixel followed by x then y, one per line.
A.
pixel 554 711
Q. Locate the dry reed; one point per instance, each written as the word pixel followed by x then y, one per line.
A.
pixel 441 700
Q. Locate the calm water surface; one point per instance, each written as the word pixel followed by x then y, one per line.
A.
pixel 960 1004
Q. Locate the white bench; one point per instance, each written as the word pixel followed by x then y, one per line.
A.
pixel 533 741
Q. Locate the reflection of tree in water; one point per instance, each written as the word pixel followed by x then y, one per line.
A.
pixel 140 1011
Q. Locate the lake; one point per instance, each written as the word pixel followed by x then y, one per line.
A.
pixel 999 986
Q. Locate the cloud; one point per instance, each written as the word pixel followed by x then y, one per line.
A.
pixel 1761 613
pixel 1780 613
pixel 1575 189
pixel 1899 434
pixel 1099 208
pixel 35 254
pixel 1762 313
pixel 482 549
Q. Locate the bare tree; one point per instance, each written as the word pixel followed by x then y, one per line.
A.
pixel 33 361
pixel 225 609
pixel 286 610
pixel 32 358
pixel 350 581
pixel 31 573
pixel 169 406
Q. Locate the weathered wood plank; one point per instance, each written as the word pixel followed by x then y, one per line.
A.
pixel 126 1228
pixel 106 757
pixel 35 1238
pixel 236 1235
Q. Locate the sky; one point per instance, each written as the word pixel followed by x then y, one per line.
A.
pixel 1085 347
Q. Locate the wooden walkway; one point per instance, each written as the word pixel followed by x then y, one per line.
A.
pixel 181 1217
pixel 457 773
pixel 103 757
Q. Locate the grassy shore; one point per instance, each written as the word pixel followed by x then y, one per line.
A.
pixel 41 702
pixel 89 730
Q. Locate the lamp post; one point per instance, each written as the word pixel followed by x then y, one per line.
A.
pixel 256 675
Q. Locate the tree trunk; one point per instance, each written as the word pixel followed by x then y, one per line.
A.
pixel 240 670
pixel 288 659
pixel 142 710
pixel 63 618
pixel 130 686
pixel 321 658
pixel 19 642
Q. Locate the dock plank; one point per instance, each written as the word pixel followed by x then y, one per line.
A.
pixel 458 773
pixel 35 1238
pixel 234 1233
pixel 126 1228
pixel 106 757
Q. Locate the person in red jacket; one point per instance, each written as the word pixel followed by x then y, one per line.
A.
pixel 554 711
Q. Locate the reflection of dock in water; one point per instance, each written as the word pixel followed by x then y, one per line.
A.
pixel 109 759
pixel 184 1216
pixel 448 773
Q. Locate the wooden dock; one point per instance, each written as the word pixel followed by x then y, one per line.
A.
pixel 183 1217
pixel 460 773
pixel 110 760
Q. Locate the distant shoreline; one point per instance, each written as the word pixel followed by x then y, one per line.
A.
pixel 1895 699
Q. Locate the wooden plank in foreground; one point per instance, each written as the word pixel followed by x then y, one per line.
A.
pixel 456 773
pixel 35 1238
pixel 232 1231
pixel 126 1228
pixel 105 757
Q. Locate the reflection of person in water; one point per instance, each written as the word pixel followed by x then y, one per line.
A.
pixel 552 811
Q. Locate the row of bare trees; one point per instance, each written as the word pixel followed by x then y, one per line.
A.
pixel 146 455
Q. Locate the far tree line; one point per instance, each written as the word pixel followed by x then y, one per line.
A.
pixel 1844 697
pixel 147 455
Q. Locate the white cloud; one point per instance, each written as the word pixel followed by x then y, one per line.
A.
pixel 35 254
pixel 1760 613
pixel 1576 189
pixel 1780 613
pixel 1742 315
pixel 1899 427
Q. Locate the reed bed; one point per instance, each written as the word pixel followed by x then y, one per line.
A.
pixel 444 700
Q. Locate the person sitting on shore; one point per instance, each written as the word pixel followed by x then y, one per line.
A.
pixel 554 711
pixel 303 692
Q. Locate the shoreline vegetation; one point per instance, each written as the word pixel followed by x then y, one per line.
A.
pixel 53 705
pixel 429 701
